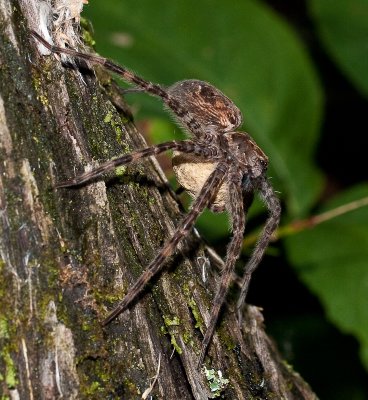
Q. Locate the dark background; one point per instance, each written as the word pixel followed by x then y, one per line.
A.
pixel 325 357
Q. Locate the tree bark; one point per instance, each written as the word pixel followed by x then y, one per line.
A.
pixel 67 256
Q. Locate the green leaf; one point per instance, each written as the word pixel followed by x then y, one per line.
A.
pixel 332 259
pixel 343 28
pixel 242 48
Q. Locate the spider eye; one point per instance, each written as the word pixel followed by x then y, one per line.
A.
pixel 206 91
pixel 264 163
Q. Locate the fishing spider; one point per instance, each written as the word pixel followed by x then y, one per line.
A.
pixel 220 167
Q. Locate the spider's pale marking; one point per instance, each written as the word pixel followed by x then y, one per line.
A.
pixel 232 168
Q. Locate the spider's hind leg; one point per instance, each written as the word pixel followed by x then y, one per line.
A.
pixel 273 205
pixel 233 251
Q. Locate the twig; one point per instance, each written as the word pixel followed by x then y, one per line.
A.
pixel 150 388
pixel 311 222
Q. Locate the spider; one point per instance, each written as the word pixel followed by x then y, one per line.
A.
pixel 219 166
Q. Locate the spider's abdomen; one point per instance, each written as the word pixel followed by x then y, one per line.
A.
pixel 191 173
pixel 202 108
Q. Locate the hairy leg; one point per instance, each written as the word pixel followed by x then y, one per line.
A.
pixel 182 100
pixel 233 251
pixel 274 208
pixel 183 146
pixel 209 190
pixel 127 75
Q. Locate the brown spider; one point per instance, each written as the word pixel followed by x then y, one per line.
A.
pixel 220 167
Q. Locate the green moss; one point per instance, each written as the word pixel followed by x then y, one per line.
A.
pixel 93 388
pixel 163 330
pixel 194 308
pixel 41 97
pixel 103 297
pixel 139 188
pixel 225 338
pixel 87 32
pixel 4 332
pixel 170 328
pixel 108 117
pixel 171 322
pixel 120 171
pixel 196 314
pixel 114 121
pixel 86 326
pixel 151 200
pixel 188 339
pixel 95 378
pixel 175 344
pixel 10 371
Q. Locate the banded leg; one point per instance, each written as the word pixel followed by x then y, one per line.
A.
pixel 274 208
pixel 233 251
pixel 172 102
pixel 186 146
pixel 209 190
pixel 127 75
pixel 130 77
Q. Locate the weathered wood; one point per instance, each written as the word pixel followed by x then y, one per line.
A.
pixel 67 256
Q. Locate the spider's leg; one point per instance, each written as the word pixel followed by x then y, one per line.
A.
pixel 185 146
pixel 127 75
pixel 273 205
pixel 209 190
pixel 131 90
pixel 154 89
pixel 233 251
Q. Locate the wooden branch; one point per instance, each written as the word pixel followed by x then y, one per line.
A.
pixel 67 256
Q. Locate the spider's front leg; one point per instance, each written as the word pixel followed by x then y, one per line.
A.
pixel 186 146
pixel 236 209
pixel 274 207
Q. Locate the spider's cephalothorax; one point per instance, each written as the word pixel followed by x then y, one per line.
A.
pixel 202 109
pixel 219 167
